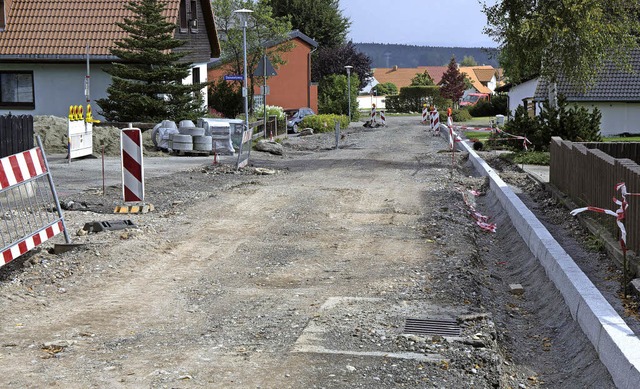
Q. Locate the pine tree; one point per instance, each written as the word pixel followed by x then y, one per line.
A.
pixel 452 83
pixel 147 85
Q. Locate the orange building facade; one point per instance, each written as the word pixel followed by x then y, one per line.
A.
pixel 292 86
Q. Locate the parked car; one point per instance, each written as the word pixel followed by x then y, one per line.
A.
pixel 295 116
pixel 473 98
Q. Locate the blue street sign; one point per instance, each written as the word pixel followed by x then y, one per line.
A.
pixel 233 77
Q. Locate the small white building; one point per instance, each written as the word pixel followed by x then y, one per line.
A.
pixel 365 102
pixel 521 95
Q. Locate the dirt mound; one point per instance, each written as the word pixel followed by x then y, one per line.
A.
pixel 54 133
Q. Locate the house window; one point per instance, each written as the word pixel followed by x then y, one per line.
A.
pixel 16 90
pixel 193 19
pixel 195 76
pixel 1 14
pixel 183 16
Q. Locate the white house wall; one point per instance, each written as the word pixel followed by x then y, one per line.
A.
pixel 203 78
pixel 617 118
pixel 58 86
pixel 519 92
pixel 492 84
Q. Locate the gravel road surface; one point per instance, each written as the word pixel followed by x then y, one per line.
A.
pixel 351 268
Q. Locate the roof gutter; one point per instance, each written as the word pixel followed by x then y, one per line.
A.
pixel 38 58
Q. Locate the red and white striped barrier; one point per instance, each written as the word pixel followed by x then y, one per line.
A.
pixel 132 167
pixel 373 114
pixel 35 221
pixel 468 128
pixel 383 119
pixel 434 117
pixel 20 167
pixel 480 220
pixel 449 121
pixel 619 213
pixel 16 250
pixel 425 113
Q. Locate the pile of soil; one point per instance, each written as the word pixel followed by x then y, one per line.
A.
pixel 54 133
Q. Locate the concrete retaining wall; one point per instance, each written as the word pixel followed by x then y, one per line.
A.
pixel 616 344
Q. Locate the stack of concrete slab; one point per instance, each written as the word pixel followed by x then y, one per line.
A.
pixel 220 133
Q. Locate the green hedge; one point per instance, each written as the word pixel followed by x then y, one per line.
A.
pixel 413 98
pixel 497 106
pixel 324 123
pixel 459 115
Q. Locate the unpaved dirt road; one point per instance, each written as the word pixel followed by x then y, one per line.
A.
pixel 301 279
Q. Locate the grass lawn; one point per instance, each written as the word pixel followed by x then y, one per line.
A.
pixel 479 121
pixel 479 135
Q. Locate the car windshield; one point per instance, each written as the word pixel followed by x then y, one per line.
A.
pixel 471 98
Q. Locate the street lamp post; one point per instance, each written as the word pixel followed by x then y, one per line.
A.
pixel 243 14
pixel 349 67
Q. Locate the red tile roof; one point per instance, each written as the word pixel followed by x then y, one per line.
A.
pixel 60 29
pixel 401 77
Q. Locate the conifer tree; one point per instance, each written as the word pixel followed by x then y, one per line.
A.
pixel 452 83
pixel 147 85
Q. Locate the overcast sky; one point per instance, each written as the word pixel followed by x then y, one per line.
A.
pixel 418 22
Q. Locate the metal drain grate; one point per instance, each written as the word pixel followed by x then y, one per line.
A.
pixel 432 327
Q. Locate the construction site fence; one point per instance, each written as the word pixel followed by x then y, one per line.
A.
pixel 273 128
pixel 16 134
pixel 588 175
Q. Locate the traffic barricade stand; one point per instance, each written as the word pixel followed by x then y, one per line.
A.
pixel 132 173
pixel 29 201
pixel 80 132
pixel 425 113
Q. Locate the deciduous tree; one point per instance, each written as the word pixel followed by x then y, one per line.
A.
pixel 332 60
pixel 322 20
pixel 570 38
pixel 263 30
pixel 422 79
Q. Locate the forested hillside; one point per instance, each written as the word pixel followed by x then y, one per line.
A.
pixel 406 56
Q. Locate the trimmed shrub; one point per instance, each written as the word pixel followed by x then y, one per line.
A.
pixel 497 106
pixel 571 123
pixel 459 115
pixel 324 123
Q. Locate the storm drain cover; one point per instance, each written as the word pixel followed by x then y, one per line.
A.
pixel 432 327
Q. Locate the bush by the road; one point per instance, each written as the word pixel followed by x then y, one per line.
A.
pixel 459 116
pixel 324 123
pixel 497 106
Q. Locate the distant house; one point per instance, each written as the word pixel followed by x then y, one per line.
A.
pixel 45 44
pixel 484 78
pixel 615 92
pixel 292 86
pixel 521 94
pixel 401 77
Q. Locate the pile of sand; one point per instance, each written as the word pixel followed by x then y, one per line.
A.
pixel 54 133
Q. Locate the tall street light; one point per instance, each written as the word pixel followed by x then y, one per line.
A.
pixel 349 67
pixel 243 15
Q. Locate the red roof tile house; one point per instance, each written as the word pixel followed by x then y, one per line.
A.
pixel 43 49
pixel 292 86
pixel 401 77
